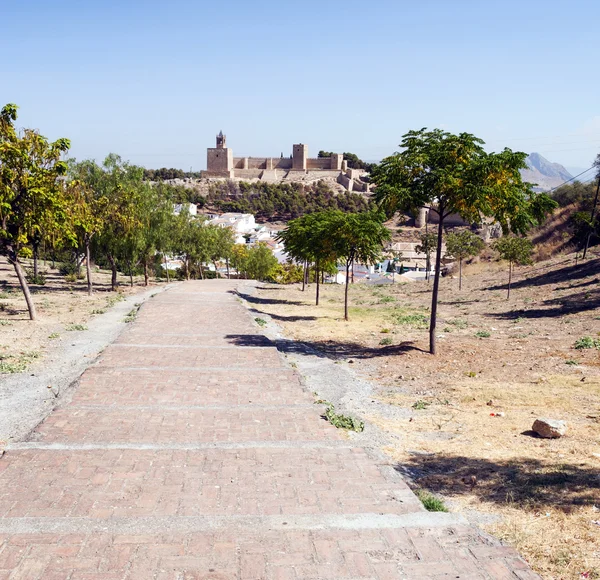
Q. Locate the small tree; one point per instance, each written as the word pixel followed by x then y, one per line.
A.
pixel 261 262
pixel 427 246
pixel 461 245
pixel 516 251
pixel 454 174
pixel 357 237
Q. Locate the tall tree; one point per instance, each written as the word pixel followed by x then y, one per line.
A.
pixel 515 251
pixel 453 174
pixel 461 245
pixel 32 199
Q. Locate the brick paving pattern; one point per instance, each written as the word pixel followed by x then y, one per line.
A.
pixel 190 451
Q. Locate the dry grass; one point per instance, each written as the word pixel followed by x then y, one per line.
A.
pixel 545 492
pixel 62 308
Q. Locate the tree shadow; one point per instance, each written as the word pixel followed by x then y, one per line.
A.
pixel 560 306
pixel 555 276
pixel 331 349
pixel 525 481
pixel 258 300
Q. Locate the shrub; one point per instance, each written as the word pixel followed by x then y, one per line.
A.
pixel 587 342
pixel 38 279
pixel 482 334
pixel 430 502
pixel 385 341
pixel 260 321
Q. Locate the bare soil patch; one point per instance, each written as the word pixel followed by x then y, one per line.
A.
pixel 465 432
pixel 63 308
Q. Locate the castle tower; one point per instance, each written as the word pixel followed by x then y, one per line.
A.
pixel 219 160
pixel 299 157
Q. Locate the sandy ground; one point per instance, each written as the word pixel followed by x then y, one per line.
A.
pixel 41 360
pixel 438 414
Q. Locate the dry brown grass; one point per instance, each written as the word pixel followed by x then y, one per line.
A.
pixel 546 493
pixel 60 305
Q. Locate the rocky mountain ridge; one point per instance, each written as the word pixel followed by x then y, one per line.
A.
pixel 543 173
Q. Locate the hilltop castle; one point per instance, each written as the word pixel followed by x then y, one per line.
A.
pixel 220 162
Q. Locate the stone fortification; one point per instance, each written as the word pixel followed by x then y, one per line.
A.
pixel 220 163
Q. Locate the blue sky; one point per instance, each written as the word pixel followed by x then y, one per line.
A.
pixel 155 81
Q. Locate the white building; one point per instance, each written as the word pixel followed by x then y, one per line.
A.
pixel 191 208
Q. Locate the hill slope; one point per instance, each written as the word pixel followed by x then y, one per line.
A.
pixel 545 174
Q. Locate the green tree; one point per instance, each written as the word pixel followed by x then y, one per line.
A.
pixel 357 237
pixel 87 214
pixel 516 251
pixel 453 174
pixel 261 262
pixel 32 200
pixel 427 246
pixel 461 245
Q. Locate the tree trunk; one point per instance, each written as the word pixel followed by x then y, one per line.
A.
pixel 145 271
pixel 36 247
pixel 593 212
pixel 460 273
pixel 436 284
pixel 13 257
pixel 88 266
pixel 166 267
pixel 509 279
pixel 346 291
pixel 317 280
pixel 304 276
pixel 113 278
pixel 352 271
pixel 216 271
pixel 227 265
pixel 322 276
pixel 130 275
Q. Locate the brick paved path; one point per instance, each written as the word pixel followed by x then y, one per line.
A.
pixel 184 455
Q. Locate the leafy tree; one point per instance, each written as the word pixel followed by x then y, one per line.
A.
pixel 87 214
pixel 221 245
pixel 357 237
pixel 461 245
pixel 32 200
pixel 453 174
pixel 261 262
pixel 516 251
pixel 239 259
pixel 427 246
pixel 308 239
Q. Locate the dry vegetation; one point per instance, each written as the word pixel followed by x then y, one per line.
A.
pixel 516 358
pixel 63 308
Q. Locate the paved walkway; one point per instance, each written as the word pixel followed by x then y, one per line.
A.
pixel 191 451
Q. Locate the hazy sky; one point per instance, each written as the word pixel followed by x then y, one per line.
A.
pixel 155 81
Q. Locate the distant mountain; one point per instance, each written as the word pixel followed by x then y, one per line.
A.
pixel 543 173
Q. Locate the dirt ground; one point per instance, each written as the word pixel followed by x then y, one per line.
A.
pixel 63 308
pixel 514 357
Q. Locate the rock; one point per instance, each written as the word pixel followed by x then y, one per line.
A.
pixel 549 428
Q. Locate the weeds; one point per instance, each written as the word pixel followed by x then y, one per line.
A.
pixel 458 323
pixel 5 323
pixel 343 421
pixel 98 311
pixel 17 364
pixel 54 335
pixel 571 362
pixel 132 314
pixel 587 342
pixel 114 299
pixel 430 502
pixel 385 330
pixel 482 334
pixel 385 341
pixel 73 327
pixel 260 321
pixel 386 299
pixel 420 405
pixel 414 320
